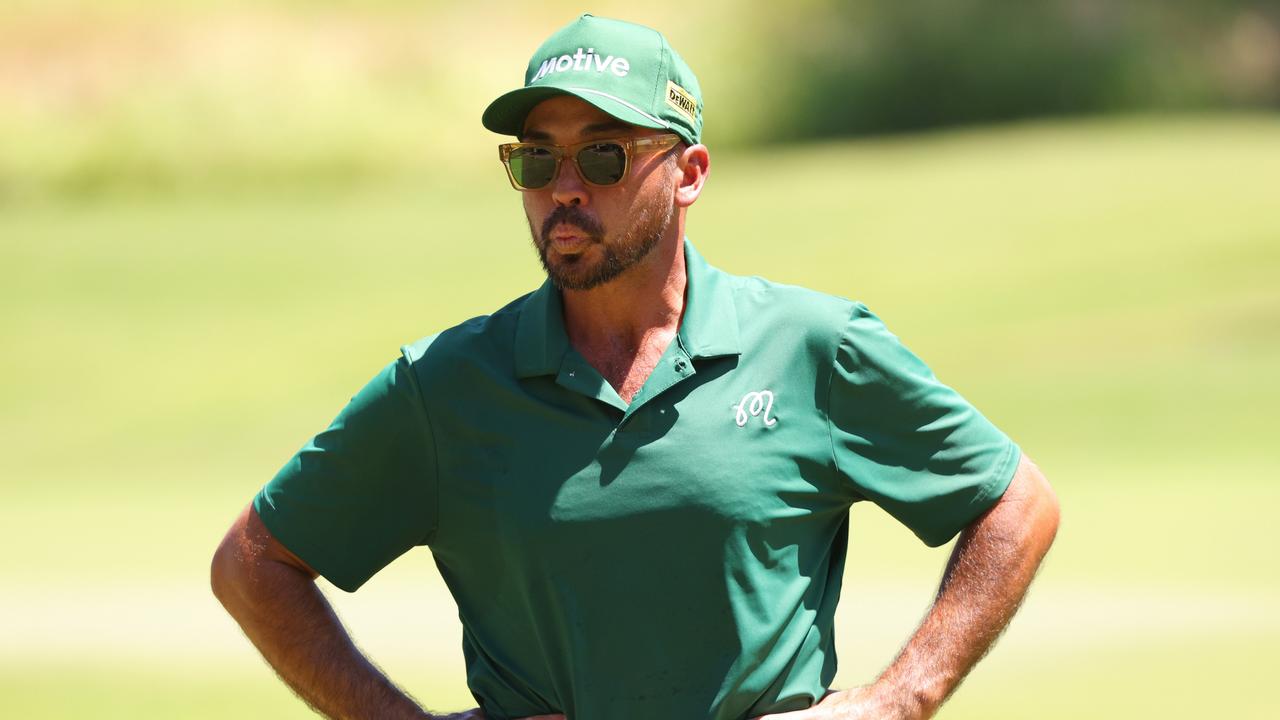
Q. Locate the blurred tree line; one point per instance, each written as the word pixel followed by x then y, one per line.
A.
pixel 837 68
pixel 235 93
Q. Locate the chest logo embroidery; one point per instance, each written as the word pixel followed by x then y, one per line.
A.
pixel 755 404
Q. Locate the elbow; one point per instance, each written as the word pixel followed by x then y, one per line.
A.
pixel 223 570
pixel 1046 512
pixel 249 566
pixel 1053 513
pixel 231 571
pixel 1029 512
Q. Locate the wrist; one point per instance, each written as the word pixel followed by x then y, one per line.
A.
pixel 902 701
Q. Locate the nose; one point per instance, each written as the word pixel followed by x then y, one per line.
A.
pixel 568 188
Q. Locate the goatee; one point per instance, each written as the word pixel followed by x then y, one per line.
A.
pixel 576 272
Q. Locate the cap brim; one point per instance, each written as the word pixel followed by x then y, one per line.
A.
pixel 507 114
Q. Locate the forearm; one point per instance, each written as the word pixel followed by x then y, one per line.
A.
pixel 291 623
pixel 987 577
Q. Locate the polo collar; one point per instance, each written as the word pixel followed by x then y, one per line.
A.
pixel 708 329
pixel 541 340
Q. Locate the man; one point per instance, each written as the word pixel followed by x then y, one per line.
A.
pixel 636 480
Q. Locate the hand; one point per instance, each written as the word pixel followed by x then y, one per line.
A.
pixel 858 703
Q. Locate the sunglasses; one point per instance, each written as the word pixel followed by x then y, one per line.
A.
pixel 602 163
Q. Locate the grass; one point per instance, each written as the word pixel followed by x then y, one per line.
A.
pixel 1104 290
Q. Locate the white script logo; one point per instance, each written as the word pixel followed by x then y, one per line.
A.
pixel 619 66
pixel 753 404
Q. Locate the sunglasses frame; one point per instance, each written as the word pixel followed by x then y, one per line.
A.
pixel 630 146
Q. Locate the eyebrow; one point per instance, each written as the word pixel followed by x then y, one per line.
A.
pixel 608 126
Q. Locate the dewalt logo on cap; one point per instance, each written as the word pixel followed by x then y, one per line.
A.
pixel 680 99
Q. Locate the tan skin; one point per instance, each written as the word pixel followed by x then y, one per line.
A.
pixel 622 328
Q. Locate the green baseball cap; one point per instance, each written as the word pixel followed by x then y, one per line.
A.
pixel 629 71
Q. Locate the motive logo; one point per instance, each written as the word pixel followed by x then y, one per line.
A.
pixel 581 61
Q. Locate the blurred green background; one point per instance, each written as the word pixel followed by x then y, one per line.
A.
pixel 217 220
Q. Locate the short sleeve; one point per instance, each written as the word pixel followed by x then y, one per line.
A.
pixel 362 492
pixel 908 443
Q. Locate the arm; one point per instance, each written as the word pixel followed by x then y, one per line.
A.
pixel 271 593
pixel 986 579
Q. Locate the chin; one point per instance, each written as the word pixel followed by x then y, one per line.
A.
pixel 574 277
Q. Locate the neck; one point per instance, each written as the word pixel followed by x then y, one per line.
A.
pixel 638 309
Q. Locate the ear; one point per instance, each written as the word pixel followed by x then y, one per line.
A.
pixel 693 166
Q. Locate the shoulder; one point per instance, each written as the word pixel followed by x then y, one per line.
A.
pixel 484 340
pixel 796 311
pixel 772 312
pixel 768 295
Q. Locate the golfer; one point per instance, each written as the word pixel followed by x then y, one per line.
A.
pixel 636 479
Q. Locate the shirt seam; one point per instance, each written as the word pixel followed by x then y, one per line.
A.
pixel 657 80
pixel 1002 476
pixel 831 372
pixel 435 447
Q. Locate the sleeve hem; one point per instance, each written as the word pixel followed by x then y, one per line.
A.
pixel 269 519
pixel 993 489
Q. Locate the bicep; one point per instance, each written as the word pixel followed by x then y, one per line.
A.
pixel 248 543
pixel 250 561
pixel 1029 505
pixel 256 532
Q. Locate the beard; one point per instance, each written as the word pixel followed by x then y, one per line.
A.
pixel 650 221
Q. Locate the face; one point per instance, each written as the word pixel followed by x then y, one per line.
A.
pixel 587 235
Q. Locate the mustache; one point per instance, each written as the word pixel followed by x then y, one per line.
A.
pixel 572 215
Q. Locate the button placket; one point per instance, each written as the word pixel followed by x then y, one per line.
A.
pixel 667 374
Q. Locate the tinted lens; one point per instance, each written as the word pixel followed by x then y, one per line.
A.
pixel 532 167
pixel 602 163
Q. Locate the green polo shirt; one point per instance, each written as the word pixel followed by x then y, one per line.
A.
pixel 678 557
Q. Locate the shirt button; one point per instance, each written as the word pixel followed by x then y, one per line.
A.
pixel 680 364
